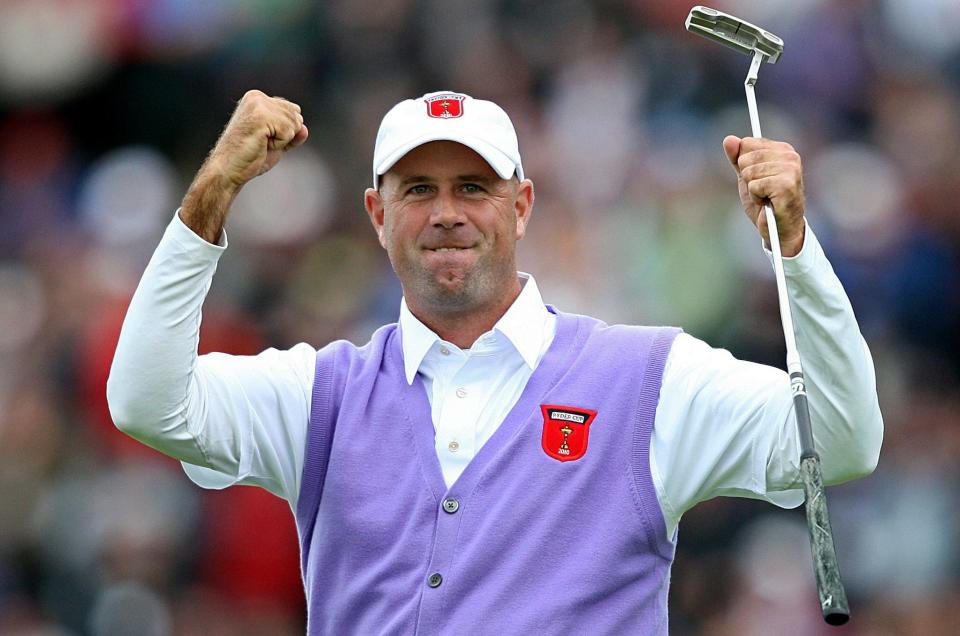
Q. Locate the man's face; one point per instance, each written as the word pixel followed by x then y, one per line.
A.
pixel 450 225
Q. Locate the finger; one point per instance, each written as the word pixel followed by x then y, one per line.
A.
pixel 299 131
pixel 777 187
pixel 750 144
pixel 298 138
pixel 281 134
pixel 276 109
pixel 287 107
pixel 761 223
pixel 769 169
pixel 759 157
pixel 765 155
pixel 279 107
pixel 761 189
pixel 292 114
pixel 287 103
pixel 731 147
pixel 284 127
pixel 284 122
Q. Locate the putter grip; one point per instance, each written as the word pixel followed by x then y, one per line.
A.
pixel 833 598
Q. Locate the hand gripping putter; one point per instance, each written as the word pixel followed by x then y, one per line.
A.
pixel 764 46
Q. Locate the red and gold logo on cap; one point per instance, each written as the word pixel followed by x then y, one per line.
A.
pixel 445 106
pixel 565 430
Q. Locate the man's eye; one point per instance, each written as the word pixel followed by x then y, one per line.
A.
pixel 472 188
pixel 419 189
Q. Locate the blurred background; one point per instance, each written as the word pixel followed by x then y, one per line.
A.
pixel 108 107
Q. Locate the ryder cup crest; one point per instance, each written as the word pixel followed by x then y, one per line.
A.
pixel 565 430
pixel 445 106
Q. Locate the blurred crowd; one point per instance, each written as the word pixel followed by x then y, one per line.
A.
pixel 107 108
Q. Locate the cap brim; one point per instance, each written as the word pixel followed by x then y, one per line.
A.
pixel 503 165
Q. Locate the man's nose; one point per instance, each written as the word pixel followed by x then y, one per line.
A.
pixel 446 211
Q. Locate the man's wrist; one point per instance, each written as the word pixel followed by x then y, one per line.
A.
pixel 205 206
pixel 792 246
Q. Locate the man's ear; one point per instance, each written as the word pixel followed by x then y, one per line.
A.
pixel 373 203
pixel 523 206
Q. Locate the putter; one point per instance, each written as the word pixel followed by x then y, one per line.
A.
pixel 765 46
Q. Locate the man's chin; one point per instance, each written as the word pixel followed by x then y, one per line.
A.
pixel 450 292
pixel 450 285
pixel 450 276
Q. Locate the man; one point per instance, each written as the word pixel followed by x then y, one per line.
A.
pixel 490 464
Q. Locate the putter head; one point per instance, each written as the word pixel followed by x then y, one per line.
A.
pixel 733 32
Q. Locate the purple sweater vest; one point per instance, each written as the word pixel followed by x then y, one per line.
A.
pixel 522 543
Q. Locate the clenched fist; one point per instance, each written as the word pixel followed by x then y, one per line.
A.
pixel 260 130
pixel 770 171
pixel 256 136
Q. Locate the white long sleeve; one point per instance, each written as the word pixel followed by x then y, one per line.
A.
pixel 726 427
pixel 230 419
pixel 723 426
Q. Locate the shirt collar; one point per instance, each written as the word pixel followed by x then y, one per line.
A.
pixel 524 324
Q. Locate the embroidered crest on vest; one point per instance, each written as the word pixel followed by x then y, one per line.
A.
pixel 565 430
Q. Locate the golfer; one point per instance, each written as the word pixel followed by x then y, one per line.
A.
pixel 488 464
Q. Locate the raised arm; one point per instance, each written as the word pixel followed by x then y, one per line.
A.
pixel 726 426
pixel 827 334
pixel 236 415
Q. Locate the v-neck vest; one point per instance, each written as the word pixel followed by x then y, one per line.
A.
pixel 527 541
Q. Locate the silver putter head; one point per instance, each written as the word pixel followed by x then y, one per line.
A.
pixel 734 32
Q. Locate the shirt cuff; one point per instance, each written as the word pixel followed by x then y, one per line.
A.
pixel 193 242
pixel 804 260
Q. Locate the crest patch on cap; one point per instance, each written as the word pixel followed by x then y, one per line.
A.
pixel 445 106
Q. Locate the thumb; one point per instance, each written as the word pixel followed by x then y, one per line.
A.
pixel 731 146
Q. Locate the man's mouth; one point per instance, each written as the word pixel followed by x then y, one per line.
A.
pixel 448 249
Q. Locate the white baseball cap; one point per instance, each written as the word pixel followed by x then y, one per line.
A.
pixel 444 115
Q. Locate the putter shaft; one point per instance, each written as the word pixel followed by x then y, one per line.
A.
pixel 794 366
pixel 833 597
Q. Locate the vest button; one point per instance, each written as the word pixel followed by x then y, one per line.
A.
pixel 435 580
pixel 451 505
